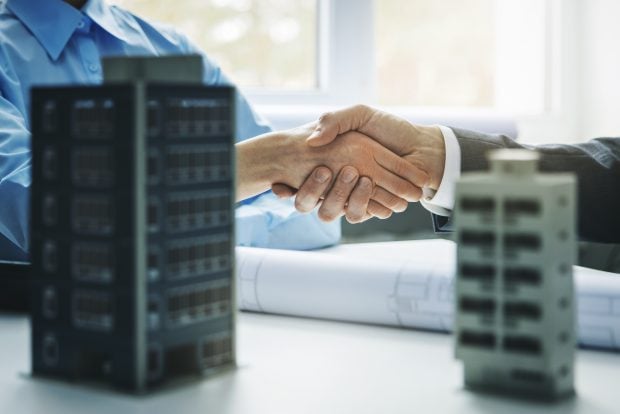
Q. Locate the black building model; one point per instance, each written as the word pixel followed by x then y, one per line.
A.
pixel 132 232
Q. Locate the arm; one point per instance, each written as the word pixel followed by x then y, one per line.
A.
pixel 596 164
pixel 285 157
pixel 418 145
pixel 264 220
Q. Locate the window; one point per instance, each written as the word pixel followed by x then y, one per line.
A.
pixel 513 57
pixel 479 53
pixel 435 53
pixel 260 43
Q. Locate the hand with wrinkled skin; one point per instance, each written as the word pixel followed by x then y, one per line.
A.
pixel 285 157
pixel 357 203
pixel 420 145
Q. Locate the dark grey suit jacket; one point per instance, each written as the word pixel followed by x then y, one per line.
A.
pixel 596 164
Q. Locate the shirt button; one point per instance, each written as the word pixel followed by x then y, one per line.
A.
pixel 81 24
pixel 92 67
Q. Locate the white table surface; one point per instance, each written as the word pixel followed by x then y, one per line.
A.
pixel 291 365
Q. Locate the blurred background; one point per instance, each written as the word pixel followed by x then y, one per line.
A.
pixel 539 70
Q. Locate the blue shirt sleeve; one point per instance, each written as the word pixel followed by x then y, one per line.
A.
pixel 274 223
pixel 14 182
pixel 266 221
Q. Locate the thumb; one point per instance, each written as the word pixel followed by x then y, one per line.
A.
pixel 332 124
pixel 283 190
pixel 324 132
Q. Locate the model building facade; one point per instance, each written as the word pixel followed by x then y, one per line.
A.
pixel 515 323
pixel 132 232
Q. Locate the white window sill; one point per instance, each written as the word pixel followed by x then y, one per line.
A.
pixel 483 120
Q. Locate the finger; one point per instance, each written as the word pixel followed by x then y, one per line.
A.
pixel 333 204
pixel 283 190
pixel 397 185
pixel 332 124
pixel 379 211
pixel 366 217
pixel 313 189
pixel 356 208
pixel 389 200
pixel 402 168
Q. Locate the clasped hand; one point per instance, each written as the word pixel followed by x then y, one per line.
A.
pixel 361 189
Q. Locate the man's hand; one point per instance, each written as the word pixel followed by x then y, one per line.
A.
pixel 422 146
pixel 295 161
pixel 285 157
pixel 419 145
pixel 357 201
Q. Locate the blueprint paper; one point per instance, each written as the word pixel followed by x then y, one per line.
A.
pixel 407 284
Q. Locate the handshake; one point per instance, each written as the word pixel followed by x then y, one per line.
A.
pixel 358 162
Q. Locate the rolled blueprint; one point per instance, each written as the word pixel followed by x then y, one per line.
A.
pixel 407 284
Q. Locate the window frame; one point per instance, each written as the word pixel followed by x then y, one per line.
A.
pixel 346 72
pixel 559 122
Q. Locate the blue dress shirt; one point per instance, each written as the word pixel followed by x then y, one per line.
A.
pixel 48 42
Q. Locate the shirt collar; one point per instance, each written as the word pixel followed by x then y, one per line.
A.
pixel 53 22
pixel 101 13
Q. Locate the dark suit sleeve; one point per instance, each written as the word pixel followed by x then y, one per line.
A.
pixel 596 164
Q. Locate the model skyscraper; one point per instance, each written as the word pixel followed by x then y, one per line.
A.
pixel 515 310
pixel 132 230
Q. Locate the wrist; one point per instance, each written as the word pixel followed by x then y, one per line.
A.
pixel 434 153
pixel 258 164
pixel 441 201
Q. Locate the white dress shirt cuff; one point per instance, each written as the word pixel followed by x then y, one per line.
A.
pixel 441 202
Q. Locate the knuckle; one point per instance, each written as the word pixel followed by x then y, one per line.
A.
pixel 380 214
pixel 365 185
pixel 383 214
pixel 399 205
pixel 379 211
pixel 387 216
pixel 391 201
pixel 303 204
pixel 339 194
pixel 354 219
pixel 361 108
pixel 349 176
pixel 402 207
pixel 417 194
pixel 354 216
pixel 321 176
pixel 407 190
pixel 407 170
pixel 325 116
pixel 326 215
pixel 365 218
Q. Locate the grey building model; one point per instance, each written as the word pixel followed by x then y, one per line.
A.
pixel 132 220
pixel 515 309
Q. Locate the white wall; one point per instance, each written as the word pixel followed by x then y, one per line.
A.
pixel 600 68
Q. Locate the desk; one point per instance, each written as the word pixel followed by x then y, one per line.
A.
pixel 291 365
